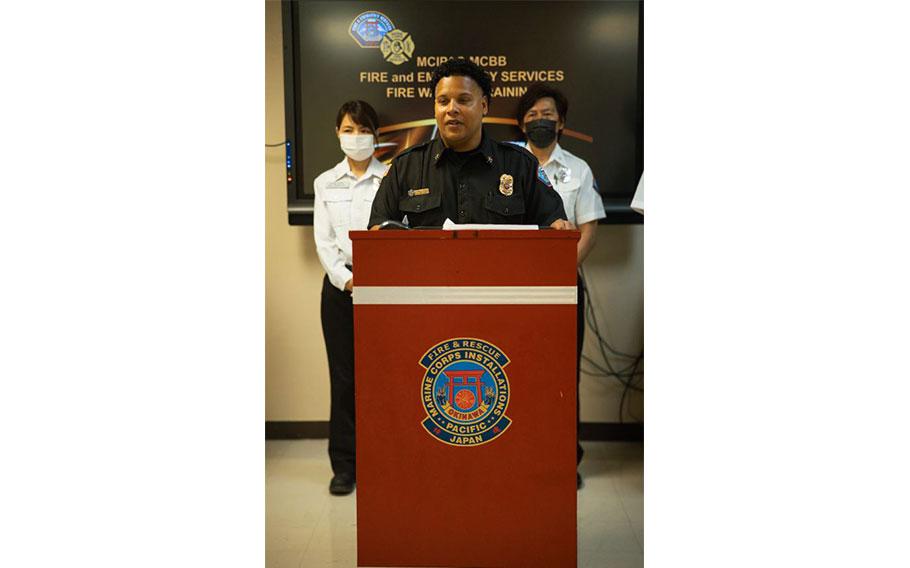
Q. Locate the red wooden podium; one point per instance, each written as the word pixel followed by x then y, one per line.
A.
pixel 465 398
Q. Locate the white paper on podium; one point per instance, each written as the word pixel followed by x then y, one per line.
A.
pixel 448 225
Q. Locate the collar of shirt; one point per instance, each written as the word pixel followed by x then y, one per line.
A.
pixel 377 168
pixel 557 156
pixel 342 168
pixel 439 150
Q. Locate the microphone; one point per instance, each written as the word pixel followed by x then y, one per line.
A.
pixel 390 224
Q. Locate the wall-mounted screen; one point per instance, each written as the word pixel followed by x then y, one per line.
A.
pixel 385 52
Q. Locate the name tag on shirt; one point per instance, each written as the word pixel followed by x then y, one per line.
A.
pixel 421 191
pixel 340 184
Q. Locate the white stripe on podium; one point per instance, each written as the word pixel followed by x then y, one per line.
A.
pixel 403 295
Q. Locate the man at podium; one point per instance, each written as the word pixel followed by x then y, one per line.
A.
pixel 464 175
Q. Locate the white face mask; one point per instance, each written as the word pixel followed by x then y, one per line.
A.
pixel 357 147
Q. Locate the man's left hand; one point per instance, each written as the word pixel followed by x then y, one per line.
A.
pixel 562 225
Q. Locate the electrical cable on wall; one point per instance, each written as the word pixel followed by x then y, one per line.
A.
pixel 275 145
pixel 629 376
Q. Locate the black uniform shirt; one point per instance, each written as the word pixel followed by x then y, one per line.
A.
pixel 430 183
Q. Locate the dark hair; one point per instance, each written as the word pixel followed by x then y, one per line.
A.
pixel 361 113
pixel 539 91
pixel 464 68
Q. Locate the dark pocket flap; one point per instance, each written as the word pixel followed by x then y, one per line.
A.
pixel 505 205
pixel 420 203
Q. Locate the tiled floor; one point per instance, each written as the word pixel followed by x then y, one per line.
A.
pixel 308 528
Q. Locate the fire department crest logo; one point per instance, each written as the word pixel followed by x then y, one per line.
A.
pixel 376 30
pixel 369 28
pixel 397 46
pixel 465 391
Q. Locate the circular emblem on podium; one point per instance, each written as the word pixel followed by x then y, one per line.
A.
pixel 465 391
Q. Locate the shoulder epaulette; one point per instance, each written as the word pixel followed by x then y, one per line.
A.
pixel 415 147
pixel 516 148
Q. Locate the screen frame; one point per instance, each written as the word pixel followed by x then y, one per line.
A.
pixel 300 207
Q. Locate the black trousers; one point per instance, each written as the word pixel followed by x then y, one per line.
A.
pixel 337 312
pixel 580 325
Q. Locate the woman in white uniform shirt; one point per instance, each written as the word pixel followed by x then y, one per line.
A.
pixel 344 197
pixel 541 116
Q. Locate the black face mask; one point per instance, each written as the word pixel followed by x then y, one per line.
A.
pixel 541 132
